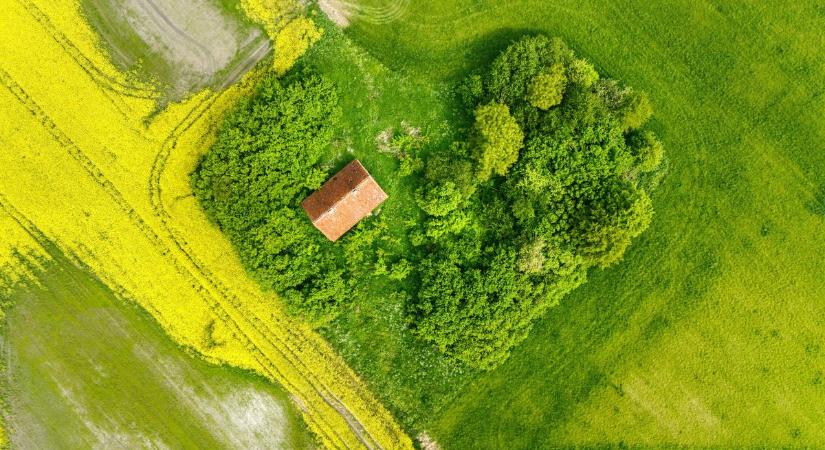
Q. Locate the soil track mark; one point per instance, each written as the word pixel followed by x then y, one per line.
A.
pixel 104 80
pixel 180 242
pixel 217 309
pixel 215 294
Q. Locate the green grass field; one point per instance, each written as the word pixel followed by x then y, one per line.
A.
pixel 710 332
pixel 84 369
pixel 371 334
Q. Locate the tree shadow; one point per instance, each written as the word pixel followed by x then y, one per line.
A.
pixel 481 53
pixel 817 205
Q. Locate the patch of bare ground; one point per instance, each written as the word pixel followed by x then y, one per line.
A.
pixel 343 12
pixel 336 11
pixel 183 45
pixel 426 442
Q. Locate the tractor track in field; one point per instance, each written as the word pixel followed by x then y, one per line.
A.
pixel 208 59
pixel 158 168
pixel 99 178
pixel 244 66
pixel 283 347
pixel 101 78
pixel 342 12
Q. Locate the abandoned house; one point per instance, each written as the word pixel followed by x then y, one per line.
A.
pixel 345 199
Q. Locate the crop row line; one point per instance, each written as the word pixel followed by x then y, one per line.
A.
pixel 160 161
pixel 45 243
pixel 255 323
pixel 100 77
pixel 99 178
pixel 157 203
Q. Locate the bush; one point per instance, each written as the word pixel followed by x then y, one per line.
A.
pixel 582 73
pixel 547 88
pixel 264 162
pixel 498 140
pixel 647 150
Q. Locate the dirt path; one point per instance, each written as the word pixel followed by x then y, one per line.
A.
pixel 343 12
pixel 185 45
pixel 248 62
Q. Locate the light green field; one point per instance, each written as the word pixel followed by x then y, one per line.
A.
pixel 711 331
pixel 86 370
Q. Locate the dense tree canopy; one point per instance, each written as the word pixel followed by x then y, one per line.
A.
pixel 497 140
pixel 552 179
pixel 568 199
pixel 265 161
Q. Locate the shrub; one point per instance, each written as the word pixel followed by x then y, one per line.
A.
pixel 547 88
pixel 265 160
pixel 582 73
pixel 498 140
pixel 647 150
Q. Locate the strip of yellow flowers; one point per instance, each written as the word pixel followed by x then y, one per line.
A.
pixel 81 167
pixel 291 32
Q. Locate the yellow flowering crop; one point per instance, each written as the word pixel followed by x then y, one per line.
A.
pixel 291 33
pixel 85 164
pixel 292 41
pixel 272 14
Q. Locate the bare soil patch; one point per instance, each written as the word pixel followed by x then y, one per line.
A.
pixel 182 45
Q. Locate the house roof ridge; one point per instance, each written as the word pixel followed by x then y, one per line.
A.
pixel 343 197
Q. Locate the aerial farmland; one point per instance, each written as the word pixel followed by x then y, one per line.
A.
pixel 390 224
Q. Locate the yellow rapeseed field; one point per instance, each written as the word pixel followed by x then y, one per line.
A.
pixel 88 165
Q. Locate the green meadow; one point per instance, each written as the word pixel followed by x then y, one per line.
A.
pixel 710 332
pixel 83 368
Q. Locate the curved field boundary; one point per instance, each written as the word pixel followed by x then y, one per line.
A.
pixel 363 396
pixel 76 257
pixel 316 419
pixel 101 78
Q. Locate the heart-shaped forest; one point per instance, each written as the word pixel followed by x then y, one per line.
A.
pixel 550 177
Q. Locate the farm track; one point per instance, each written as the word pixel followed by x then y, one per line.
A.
pixel 284 348
pixel 158 168
pixel 97 176
pixel 220 300
pixel 208 59
pixel 343 11
pixel 101 78
pixel 247 64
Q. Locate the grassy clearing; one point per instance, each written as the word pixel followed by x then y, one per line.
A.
pixel 709 332
pixel 87 370
pixel 371 334
pixel 94 168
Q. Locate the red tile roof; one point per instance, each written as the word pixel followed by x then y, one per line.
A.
pixel 345 199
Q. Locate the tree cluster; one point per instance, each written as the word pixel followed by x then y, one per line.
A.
pixel 265 161
pixel 553 179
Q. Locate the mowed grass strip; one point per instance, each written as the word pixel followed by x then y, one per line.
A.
pixel 709 332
